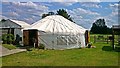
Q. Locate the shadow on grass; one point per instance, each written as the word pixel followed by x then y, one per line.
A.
pixel 117 49
pixel 21 47
pixel 109 48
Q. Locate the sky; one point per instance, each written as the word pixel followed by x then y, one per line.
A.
pixel 83 13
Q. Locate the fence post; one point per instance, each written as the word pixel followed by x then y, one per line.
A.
pixel 94 39
pixel 107 39
pixel 113 39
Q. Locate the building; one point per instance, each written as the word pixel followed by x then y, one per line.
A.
pixel 14 27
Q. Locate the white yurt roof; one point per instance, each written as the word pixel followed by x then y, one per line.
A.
pixel 57 24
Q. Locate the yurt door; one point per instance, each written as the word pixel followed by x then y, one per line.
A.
pixel 87 37
pixel 26 37
pixel 33 38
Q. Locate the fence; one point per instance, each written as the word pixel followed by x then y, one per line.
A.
pixel 101 38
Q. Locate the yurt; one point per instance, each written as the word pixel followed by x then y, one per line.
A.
pixel 55 32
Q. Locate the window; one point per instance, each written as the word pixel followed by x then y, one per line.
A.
pixel 61 40
pixel 72 40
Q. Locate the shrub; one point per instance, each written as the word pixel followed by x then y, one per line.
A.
pixel 41 46
pixel 10 38
pixel 7 38
pixel 4 38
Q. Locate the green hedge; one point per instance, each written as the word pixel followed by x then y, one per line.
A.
pixel 8 38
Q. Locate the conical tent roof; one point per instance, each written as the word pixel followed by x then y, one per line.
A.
pixel 57 24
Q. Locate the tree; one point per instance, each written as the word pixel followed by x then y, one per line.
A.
pixel 51 13
pixel 61 12
pixel 3 20
pixel 64 13
pixel 48 14
pixel 44 15
pixel 99 27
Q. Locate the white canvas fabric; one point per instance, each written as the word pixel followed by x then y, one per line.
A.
pixel 57 24
pixel 56 32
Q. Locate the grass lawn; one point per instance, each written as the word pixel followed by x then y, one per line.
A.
pixel 102 55
pixel 0 62
pixel 9 46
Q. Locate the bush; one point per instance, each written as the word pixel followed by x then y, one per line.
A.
pixel 4 38
pixel 41 46
pixel 7 38
pixel 10 38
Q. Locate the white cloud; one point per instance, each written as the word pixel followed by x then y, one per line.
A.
pixel 91 4
pixel 62 0
pixel 71 2
pixel 0 12
pixel 111 22
pixel 31 5
pixel 4 1
pixel 67 3
pixel 29 19
pixel 114 14
pixel 83 17
pixel 74 0
pixel 26 11
pixel 13 14
pixel 86 23
pixel 31 12
pixel 111 19
pixel 89 0
pixel 114 5
pixel 66 0
pixel 3 17
pixel 84 12
pixel 109 0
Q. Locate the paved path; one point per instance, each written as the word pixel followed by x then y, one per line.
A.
pixel 4 51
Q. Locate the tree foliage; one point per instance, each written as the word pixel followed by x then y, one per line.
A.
pixel 99 27
pixel 3 20
pixel 48 14
pixel 61 12
pixel 7 38
pixel 64 13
